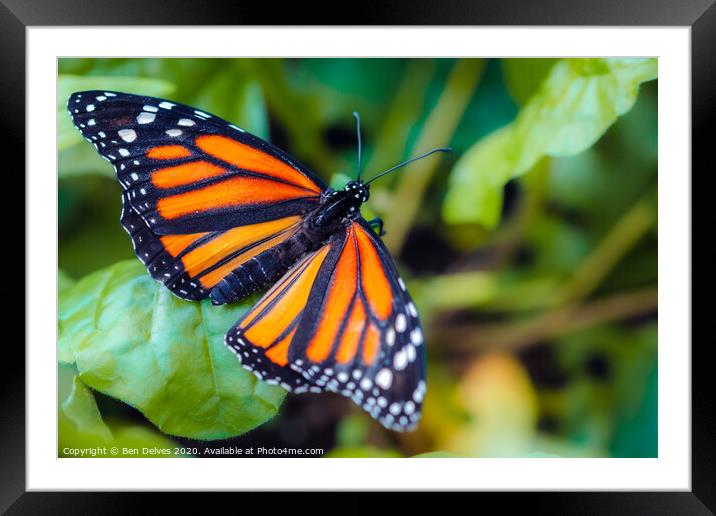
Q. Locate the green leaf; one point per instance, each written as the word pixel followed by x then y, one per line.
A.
pixel 83 433
pixel 64 282
pixel 252 107
pixel 81 413
pixel 67 135
pixel 82 160
pixel 574 106
pixel 525 75
pixel 637 432
pixel 232 95
pixel 133 340
pixel 64 285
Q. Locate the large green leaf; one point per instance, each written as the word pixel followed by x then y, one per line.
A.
pixel 65 284
pixel 82 160
pixel 67 135
pixel 78 409
pixel 131 339
pixel 574 106
pixel 83 433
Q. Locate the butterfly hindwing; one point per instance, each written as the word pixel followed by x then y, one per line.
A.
pixel 262 338
pixel 194 265
pixel 346 323
pixel 361 336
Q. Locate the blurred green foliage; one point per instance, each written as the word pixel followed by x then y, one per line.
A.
pixel 531 253
pixel 569 109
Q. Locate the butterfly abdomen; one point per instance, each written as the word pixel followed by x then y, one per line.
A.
pixel 262 270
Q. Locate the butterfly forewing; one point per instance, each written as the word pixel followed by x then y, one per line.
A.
pixel 187 171
pixel 202 197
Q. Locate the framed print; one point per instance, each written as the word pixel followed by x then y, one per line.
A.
pixel 448 255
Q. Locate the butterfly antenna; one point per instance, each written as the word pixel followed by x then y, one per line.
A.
pixel 355 114
pixel 440 149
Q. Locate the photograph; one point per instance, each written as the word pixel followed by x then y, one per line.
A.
pixel 357 257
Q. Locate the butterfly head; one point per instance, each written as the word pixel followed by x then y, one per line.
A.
pixel 357 192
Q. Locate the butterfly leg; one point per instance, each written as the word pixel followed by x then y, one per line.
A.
pixel 377 222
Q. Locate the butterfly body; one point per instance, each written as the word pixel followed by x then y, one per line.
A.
pixel 336 208
pixel 215 212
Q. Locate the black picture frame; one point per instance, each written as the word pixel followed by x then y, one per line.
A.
pixel 700 15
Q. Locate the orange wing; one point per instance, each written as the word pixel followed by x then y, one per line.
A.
pixel 262 338
pixel 344 321
pixel 192 265
pixel 202 197
pixel 186 171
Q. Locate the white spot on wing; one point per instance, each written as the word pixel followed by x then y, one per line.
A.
pixel 413 311
pixel 384 378
pixel 401 323
pixel 400 360
pixel 390 337
pixel 146 118
pixel 410 352
pixel 128 135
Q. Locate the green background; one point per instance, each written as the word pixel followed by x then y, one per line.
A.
pixel 531 252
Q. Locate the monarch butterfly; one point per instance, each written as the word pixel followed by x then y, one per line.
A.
pixel 216 212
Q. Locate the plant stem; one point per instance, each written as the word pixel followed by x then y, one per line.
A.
pixel 437 132
pixel 613 247
pixel 549 324
pixel 407 104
